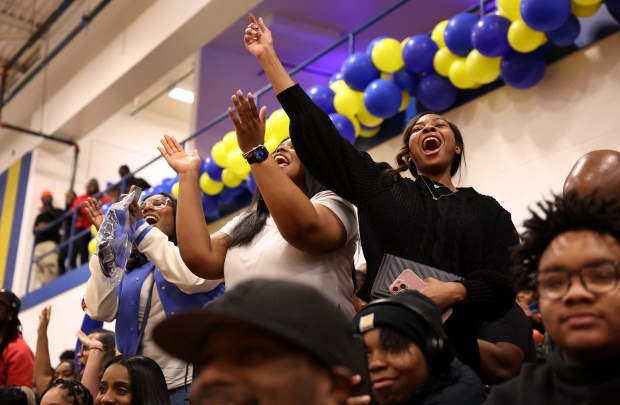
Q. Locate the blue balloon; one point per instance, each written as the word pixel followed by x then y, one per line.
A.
pixel 407 81
pixel 344 126
pixel 323 96
pixel 523 70
pixel 418 54
pixel 358 70
pixel 209 204
pixel 567 33
pixel 436 92
pixel 545 15
pixel 382 98
pixel 335 77
pixel 166 184
pixel 213 170
pixel 490 36
pixel 457 34
pixel 250 183
pixel 372 44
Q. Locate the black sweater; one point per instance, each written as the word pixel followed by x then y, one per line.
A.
pixel 558 383
pixel 465 233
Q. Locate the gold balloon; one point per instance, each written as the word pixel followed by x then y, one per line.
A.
pixel 524 39
pixel 442 61
pixel 210 186
pixel 481 68
pixel 437 34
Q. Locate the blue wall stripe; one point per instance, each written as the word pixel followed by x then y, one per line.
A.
pixel 24 174
pixel 56 287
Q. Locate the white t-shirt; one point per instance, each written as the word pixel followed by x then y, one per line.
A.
pixel 270 256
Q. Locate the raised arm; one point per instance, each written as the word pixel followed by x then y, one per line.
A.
pixel 90 376
pixel 331 159
pixel 204 254
pixel 308 227
pixel 43 371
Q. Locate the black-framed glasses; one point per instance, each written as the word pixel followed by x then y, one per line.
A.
pixel 156 203
pixel 598 278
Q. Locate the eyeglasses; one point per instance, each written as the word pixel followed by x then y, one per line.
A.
pixel 157 203
pixel 598 278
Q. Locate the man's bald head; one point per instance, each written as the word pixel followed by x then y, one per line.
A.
pixel 598 171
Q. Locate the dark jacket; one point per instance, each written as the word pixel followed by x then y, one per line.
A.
pixel 459 386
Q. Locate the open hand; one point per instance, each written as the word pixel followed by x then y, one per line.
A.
pixel 44 318
pixel 249 122
pixel 257 36
pixel 176 157
pixel 94 212
pixel 88 342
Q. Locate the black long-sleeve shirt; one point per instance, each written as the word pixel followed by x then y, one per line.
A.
pixel 464 233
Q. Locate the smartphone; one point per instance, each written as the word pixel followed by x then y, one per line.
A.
pixel 361 368
pixel 407 280
pixel 136 196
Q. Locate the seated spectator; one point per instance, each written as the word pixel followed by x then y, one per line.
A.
pixel 505 344
pixel 265 342
pixel 108 348
pixel 410 358
pixel 599 171
pixel 16 358
pixel 82 222
pixel 13 396
pixel 156 284
pixel 131 180
pixel 46 239
pixel 66 392
pixel 132 380
pixel 572 250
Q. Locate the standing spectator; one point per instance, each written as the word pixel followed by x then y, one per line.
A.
pixel 572 250
pixel 46 239
pixel 131 180
pixel 82 222
pixel 16 358
pixel 65 231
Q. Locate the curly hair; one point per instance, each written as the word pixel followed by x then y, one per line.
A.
pixel 76 392
pixel 560 215
pixel 403 158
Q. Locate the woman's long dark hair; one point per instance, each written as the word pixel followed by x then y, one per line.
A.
pixel 137 259
pixel 12 331
pixel 254 222
pixel 403 158
pixel 76 392
pixel 148 385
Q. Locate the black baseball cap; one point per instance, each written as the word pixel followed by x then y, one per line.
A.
pixel 294 312
pixel 10 299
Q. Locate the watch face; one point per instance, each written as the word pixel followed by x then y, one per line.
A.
pixel 261 154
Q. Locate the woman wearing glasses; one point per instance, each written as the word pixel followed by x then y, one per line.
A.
pixel 156 284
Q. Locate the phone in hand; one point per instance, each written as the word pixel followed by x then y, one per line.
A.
pixel 361 368
pixel 136 196
pixel 408 280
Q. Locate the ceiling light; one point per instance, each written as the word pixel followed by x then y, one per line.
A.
pixel 183 95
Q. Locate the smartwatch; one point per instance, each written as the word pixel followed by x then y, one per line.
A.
pixel 257 154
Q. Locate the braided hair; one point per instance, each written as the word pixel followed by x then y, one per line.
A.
pixel 75 391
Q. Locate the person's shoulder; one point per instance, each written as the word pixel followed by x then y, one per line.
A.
pixel 531 380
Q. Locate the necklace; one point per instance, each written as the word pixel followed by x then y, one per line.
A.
pixel 436 186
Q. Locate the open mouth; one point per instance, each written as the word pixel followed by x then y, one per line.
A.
pixel 281 160
pixel 151 219
pixel 431 144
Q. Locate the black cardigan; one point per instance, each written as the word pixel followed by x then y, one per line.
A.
pixel 465 233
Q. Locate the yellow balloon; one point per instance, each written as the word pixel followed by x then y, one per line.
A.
pixel 237 164
pixel 348 102
pixel 524 39
pixel 387 55
pixel 510 9
pixel 271 145
pixel 230 179
pixel 369 132
pixel 481 68
pixel 356 125
pixel 385 76
pixel 93 230
pixel 404 41
pixel 338 85
pixel 588 2
pixel 580 10
pixel 92 246
pixel 174 190
pixel 219 153
pixel 367 119
pixel 442 61
pixel 437 34
pixel 277 125
pixel 458 75
pixel 405 103
pixel 230 140
pixel 210 186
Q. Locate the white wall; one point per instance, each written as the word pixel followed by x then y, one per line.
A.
pixel 521 144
